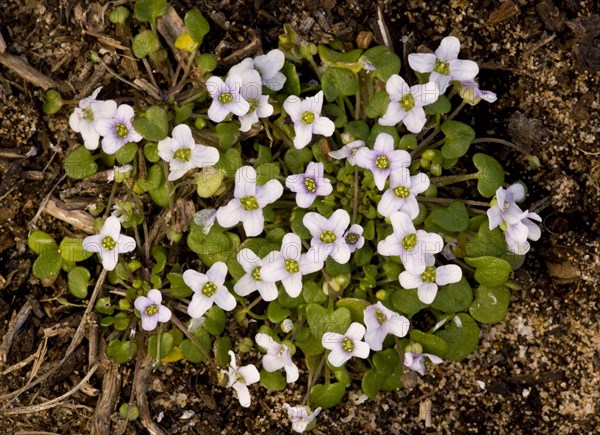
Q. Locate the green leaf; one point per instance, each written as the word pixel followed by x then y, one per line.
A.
pixel 38 241
pixel 122 321
pixel 126 153
pixel 385 61
pixel 357 130
pixel 408 142
pixel 153 124
pixel 378 104
pixel 407 302
pixel 190 351
pixel 371 383
pixel 215 320
pixel 442 105
pixel 453 298
pixel 297 225
pixel 197 25
pixel 330 57
pixel 182 113
pixel 166 344
pixel 273 381
pixel 47 266
pixel 313 293
pixel 266 172
pixel 327 396
pixel 453 219
pixel 458 139
pixel 78 281
pixel 363 256
pixel 209 181
pixel 490 304
pixel 80 164
pixel 119 15
pixel 149 10
pixel 462 340
pixel 52 102
pixel 356 307
pixel 121 351
pixel 228 134
pixel 145 43
pixel 212 243
pixel 490 270
pixel 310 345
pixel 159 253
pixel 296 159
pixel 487 243
pixel 321 321
pixel 72 250
pixel 491 174
pixel 337 82
pixel 430 342
pixel 386 361
pixel 221 348
pixel 292 81
pixel 104 306
pixel 230 162
pixel 153 180
pixel 207 62
pixel 276 312
pixel 160 195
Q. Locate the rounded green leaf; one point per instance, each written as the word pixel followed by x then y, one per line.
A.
pixel 337 82
pixel 160 347
pixel 330 56
pixel 385 61
pixel 78 281
pixel 276 312
pixel 321 321
pixel 221 349
pixel 490 270
pixel 126 153
pixel 122 321
pixel 378 104
pixel 227 134
pixel 454 218
pixel 207 62
pixel 439 107
pixel 38 241
pixel 72 250
pixel 153 124
pixel 197 25
pixel 458 139
pixel 430 342
pixel 490 175
pixel 149 10
pixel 490 304
pixel 273 381
pixel 80 164
pixel 292 81
pixel 151 152
pixel 371 383
pixel 453 298
pixel 356 307
pixel 118 15
pixel 215 320
pixel 47 266
pixel 121 351
pixel 145 43
pixel 407 302
pixel 327 396
pixel 487 242
pixel 462 340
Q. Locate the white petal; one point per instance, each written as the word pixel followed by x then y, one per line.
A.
pixel 274 271
pixel 422 62
pixel 396 87
pixel 398 325
pixel 204 156
pixel 340 219
pixel 361 349
pixel 125 244
pixel 308 265
pixel 194 280
pixel 224 299
pixel 516 192
pixel 217 111
pixel 239 106
pixel 356 331
pixel 433 358
pixel 338 357
pixel 112 228
pixel 425 94
pixel 305 199
pixel 315 103
pixel 419 183
pixel 215 86
pixel 199 305
pixel 393 115
pixel 253 222
pixel 272 363
pixel 248 259
pixel 494 215
pixel 268 291
pixel 410 206
pixel 245 182
pixel 245 285
pixel 415 120
pixel 217 273
pixel 93 243
pixel 331 340
pixel 323 126
pixel 268 193
pixel 293 107
pixel 149 322
pixel 183 135
pixel 109 259
pixel 427 292
pixel 229 215
pixel 340 252
pixel 463 70
pixel 402 224
pixel 291 373
pixel 380 176
pixel 448 274
pixel 303 135
pixel 267 343
pixel 448 49
pixel 375 337
pixel 292 284
pixel 410 280
pixel 315 223
pixel 389 246
pixel 243 394
pixel 164 314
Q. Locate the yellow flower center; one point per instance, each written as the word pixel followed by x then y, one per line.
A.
pixel 209 289
pixel 380 316
pixel 310 184
pixel 183 154
pixel 292 266
pixel 249 203
pixel 307 118
pixel 348 344
pixel 382 162
pixel 88 114
pixel 407 102
pixel 256 274
pixel 225 98
pixel 328 237
pixel 108 243
pixel 151 310
pixel 352 238
pixel 409 242
pixel 401 192
pixel 442 67
pixel 121 130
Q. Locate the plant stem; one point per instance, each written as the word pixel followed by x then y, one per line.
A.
pixel 312 379
pixel 193 339
pixel 450 200
pixel 516 147
pixel 452 179
pixel 355 199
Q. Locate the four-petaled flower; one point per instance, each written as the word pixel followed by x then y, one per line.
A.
pixel 226 97
pixel 345 346
pixel 307 119
pixel 300 416
pixel 269 66
pixel 471 94
pixel 248 202
pixel 251 90
pixel 414 358
pixel 382 321
pixel 401 196
pixel 278 357
pixel 348 151
pixel 252 280
pixel 118 130
pixel 410 244
pixel 406 103
pixel 309 185
pixel 152 310
pixel 328 236
pixel 208 289
pixel 85 117
pixel 183 153
pixel 427 282
pixel 444 65
pixel 240 378
pixel 383 159
pixel 289 265
pixel 354 237
pixel 109 243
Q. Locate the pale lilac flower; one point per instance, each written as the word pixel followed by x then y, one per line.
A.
pixel 269 66
pixel 383 159
pixel 328 236
pixel 471 94
pixel 307 119
pixel 248 202
pixel 84 118
pixel 444 65
pixel 119 173
pixel 289 265
pixel 118 130
pixel 309 185
pixel 401 196
pixel 354 237
pixel 252 280
pixel 406 103
pixel 504 208
pixel 414 359
pixel 343 347
pixel 410 244
pixel 521 247
pixel 152 310
pixel 205 219
pixel 380 322
pixel 240 378
pixel 348 151
pixel 300 416
pixel 183 153
pixel 427 282
pixel 208 289
pixel 226 97
pixel 109 243
pixel 251 90
pixel 278 357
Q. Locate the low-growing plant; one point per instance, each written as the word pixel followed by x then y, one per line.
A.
pixel 308 189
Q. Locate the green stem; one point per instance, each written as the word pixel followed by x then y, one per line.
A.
pixel 355 199
pixel 452 179
pixel 312 379
pixel 450 200
pixel 518 148
pixel 111 198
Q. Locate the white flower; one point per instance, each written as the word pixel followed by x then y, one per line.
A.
pixel 289 265
pixel 269 66
pixel 183 153
pixel 383 159
pixel 118 130
pixel 205 219
pixel 343 347
pixel 309 185
pixel 226 97
pixel 252 280
pixel 287 325
pixel 84 118
pixel 427 282
pixel 471 94
pixel 251 90
pixel 401 196
pixel 249 201
pixel 414 359
pixel 382 321
pixel 348 151
pixel 300 416
pixel 208 289
pixel 411 245
pixel 109 243
pixel 278 357
pixel 406 103
pixel 444 65
pixel 152 310
pixel 328 236
pixel 307 119
pixel 240 378
pixel 119 173
pixel 521 247
pixel 504 207
pixel 354 237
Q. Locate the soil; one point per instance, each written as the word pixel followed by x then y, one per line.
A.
pixel 536 372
